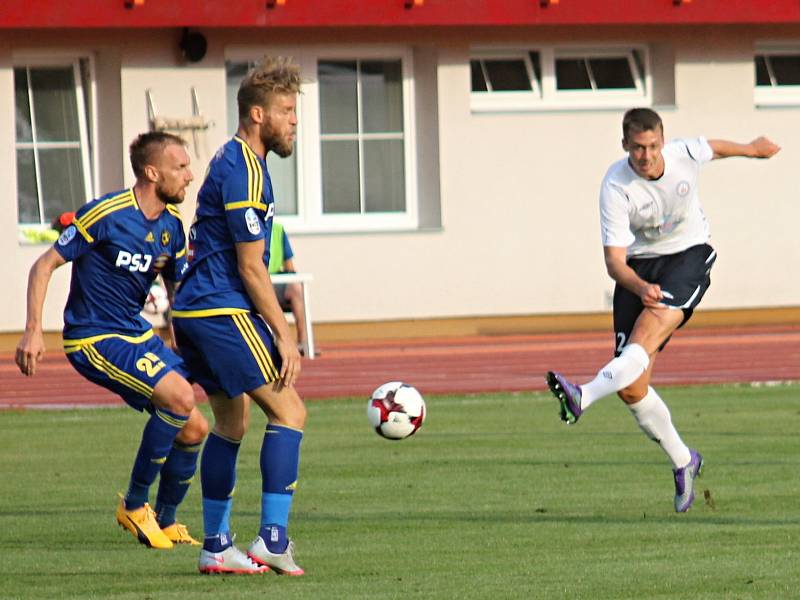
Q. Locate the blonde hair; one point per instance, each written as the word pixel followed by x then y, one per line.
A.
pixel 273 75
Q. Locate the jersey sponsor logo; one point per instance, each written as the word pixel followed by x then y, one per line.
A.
pixel 150 237
pixel 164 237
pixel 67 235
pixel 251 218
pixel 683 188
pixel 133 262
pixel 270 211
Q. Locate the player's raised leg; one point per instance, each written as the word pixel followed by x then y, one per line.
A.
pixel 280 457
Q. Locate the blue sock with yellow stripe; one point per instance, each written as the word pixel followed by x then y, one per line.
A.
pixel 280 459
pixel 157 438
pixel 217 479
pixel 176 476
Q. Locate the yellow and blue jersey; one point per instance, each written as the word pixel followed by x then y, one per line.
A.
pixel 116 254
pixel 235 204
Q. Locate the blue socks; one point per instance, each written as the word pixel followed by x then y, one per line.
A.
pixel 280 458
pixel 157 438
pixel 176 476
pixel 218 479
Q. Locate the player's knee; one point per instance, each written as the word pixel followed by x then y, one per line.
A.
pixel 632 394
pixel 195 430
pixel 294 416
pixel 181 400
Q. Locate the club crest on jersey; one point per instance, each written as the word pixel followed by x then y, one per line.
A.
pixel 149 237
pixel 252 220
pixel 682 189
pixel 67 235
pixel 164 237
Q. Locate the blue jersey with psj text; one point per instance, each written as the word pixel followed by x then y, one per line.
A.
pixel 235 204
pixel 116 254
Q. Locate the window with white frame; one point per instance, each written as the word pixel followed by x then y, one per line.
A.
pixel 353 166
pixel 777 75
pixel 559 78
pixel 54 172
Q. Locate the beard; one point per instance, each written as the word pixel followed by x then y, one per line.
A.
pixel 169 198
pixel 273 142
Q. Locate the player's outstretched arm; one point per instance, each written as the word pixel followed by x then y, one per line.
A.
pixel 254 274
pixel 30 348
pixel 761 147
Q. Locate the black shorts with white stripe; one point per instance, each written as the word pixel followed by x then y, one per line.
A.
pixel 684 278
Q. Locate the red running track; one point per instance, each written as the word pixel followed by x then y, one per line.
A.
pixel 467 365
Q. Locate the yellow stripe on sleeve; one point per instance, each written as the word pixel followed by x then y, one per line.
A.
pixel 82 230
pixel 245 204
pixel 124 196
pixel 110 208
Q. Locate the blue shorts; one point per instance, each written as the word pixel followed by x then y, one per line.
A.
pixel 130 369
pixel 230 353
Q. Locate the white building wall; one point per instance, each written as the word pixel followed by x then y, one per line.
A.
pixel 519 219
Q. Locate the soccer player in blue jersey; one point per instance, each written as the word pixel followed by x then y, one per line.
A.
pixel 232 332
pixel 117 245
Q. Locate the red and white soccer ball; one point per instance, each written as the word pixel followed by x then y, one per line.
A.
pixel 157 301
pixel 396 410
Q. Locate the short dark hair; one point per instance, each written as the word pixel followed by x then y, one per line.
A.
pixel 640 119
pixel 145 146
pixel 272 75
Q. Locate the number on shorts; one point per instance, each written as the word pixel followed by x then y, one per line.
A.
pixel 620 341
pixel 150 364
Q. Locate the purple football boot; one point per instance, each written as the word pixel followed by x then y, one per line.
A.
pixel 684 481
pixel 568 396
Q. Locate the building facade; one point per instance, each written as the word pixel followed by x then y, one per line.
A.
pixel 449 153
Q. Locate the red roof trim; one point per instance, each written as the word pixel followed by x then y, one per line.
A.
pixel 45 14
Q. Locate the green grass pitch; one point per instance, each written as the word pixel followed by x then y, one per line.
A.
pixel 494 498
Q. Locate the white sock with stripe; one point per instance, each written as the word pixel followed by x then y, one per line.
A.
pixel 618 374
pixel 653 417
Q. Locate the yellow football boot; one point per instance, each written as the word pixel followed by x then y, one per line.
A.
pixel 179 534
pixel 141 522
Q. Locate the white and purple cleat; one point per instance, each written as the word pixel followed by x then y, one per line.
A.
pixel 568 395
pixel 684 481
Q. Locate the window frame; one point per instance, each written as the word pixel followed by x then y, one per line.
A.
pixel 310 218
pixel 775 95
pixel 549 97
pixel 87 116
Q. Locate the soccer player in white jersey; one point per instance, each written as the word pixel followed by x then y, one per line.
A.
pixel 655 241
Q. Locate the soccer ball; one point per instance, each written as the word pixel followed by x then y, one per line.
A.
pixel 157 302
pixel 396 410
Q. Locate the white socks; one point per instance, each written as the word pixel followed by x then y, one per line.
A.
pixel 618 374
pixel 654 419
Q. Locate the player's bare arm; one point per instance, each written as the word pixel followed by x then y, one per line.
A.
pixel 618 269
pixel 761 147
pixel 170 287
pixel 30 348
pixel 256 279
